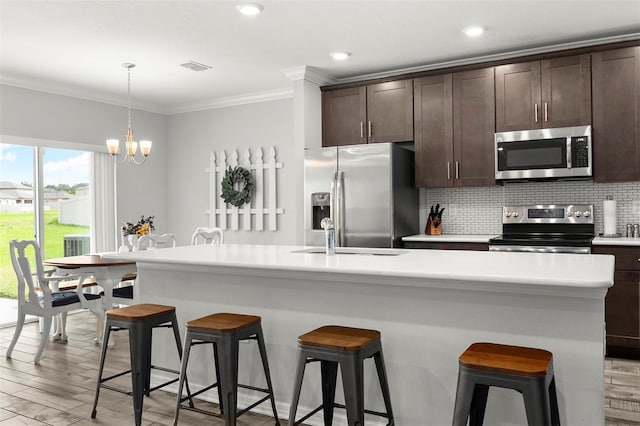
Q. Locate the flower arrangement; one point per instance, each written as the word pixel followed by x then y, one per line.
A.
pixel 142 227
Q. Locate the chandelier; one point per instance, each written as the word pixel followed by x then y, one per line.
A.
pixel 131 146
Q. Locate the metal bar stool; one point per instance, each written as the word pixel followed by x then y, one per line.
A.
pixel 346 347
pixel 225 331
pixel 140 320
pixel 527 370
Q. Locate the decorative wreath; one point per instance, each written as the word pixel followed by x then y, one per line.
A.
pixel 237 175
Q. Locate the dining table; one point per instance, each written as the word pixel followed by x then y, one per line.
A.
pixel 108 273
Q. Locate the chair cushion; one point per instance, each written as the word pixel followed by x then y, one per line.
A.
pixel 63 298
pixel 121 292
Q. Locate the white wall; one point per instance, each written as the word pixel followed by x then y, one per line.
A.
pixel 192 137
pixel 65 121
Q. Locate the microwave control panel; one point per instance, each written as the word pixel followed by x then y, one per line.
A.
pixel 579 151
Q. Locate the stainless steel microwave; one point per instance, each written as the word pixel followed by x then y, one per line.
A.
pixel 563 152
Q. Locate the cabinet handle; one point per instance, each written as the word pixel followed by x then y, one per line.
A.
pixel 361 130
pixel 535 112
pixel 457 170
pixel 448 170
pixel 370 132
pixel 546 112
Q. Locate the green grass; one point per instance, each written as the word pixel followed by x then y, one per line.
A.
pixel 21 226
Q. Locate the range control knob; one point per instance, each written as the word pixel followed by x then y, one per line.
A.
pixel 569 214
pixel 508 214
pixel 578 214
pixel 587 213
pixel 515 214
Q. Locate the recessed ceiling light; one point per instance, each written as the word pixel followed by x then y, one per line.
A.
pixel 250 9
pixel 473 31
pixel 340 56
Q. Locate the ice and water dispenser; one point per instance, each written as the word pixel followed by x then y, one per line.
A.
pixel 320 208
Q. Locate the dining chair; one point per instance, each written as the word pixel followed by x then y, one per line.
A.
pixel 207 236
pixel 155 241
pixel 37 295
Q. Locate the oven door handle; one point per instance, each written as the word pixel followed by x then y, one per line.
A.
pixel 541 249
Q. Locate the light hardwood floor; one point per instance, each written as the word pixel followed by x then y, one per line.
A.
pixel 61 389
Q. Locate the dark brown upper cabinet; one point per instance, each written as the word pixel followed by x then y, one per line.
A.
pixel 616 115
pixel 369 114
pixel 541 94
pixel 454 125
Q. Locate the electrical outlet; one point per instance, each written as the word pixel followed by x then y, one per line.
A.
pixel 636 207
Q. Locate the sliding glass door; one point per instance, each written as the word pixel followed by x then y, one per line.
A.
pixel 45 193
pixel 66 207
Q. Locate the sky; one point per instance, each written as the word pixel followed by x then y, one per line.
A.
pixel 61 166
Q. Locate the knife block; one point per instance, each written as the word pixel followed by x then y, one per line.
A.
pixel 434 226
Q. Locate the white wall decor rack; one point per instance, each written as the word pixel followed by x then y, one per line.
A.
pixel 263 201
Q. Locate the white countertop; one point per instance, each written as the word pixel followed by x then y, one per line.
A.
pixel 479 270
pixel 450 238
pixel 621 241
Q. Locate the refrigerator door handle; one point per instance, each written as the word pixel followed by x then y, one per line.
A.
pixel 339 222
pixel 333 213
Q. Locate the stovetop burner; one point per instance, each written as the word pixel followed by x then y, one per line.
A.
pixel 554 228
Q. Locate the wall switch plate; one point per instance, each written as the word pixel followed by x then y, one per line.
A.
pixel 636 207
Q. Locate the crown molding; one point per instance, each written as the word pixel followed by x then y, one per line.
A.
pixel 249 98
pixel 492 57
pixel 75 92
pixel 308 73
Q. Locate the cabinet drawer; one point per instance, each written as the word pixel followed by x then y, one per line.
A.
pixel 627 258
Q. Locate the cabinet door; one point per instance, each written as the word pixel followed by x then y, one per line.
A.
pixel 433 131
pixel 518 96
pixel 344 116
pixel 390 111
pixel 616 115
pixel 566 91
pixel 473 128
pixel 622 315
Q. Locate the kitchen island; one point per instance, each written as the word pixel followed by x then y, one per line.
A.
pixel 429 306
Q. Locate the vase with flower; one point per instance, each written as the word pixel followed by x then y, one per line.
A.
pixel 132 231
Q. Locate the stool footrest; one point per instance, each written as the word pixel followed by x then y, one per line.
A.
pixel 255 404
pixel 194 394
pixel 308 415
pixel 115 376
pixel 374 413
pixel 163 384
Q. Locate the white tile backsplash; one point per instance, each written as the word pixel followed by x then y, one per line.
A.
pixel 479 210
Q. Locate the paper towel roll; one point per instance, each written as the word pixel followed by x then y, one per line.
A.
pixel 609 217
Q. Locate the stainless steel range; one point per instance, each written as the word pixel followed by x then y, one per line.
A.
pixel 551 228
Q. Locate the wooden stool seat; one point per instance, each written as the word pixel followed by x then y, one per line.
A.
pixel 223 322
pixel 140 312
pixel 340 338
pixel 526 370
pixel 516 360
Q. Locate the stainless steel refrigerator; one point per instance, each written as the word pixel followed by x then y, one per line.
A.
pixel 367 190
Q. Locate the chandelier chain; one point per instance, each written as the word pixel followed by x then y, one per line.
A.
pixel 129 95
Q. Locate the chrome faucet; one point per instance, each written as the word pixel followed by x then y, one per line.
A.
pixel 329 236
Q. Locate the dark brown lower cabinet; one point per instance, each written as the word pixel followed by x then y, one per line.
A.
pixel 622 304
pixel 446 245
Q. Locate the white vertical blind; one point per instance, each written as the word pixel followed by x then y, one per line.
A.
pixel 104 230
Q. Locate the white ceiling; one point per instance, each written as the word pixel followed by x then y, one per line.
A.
pixel 77 47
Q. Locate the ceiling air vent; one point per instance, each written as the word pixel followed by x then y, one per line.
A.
pixel 195 66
